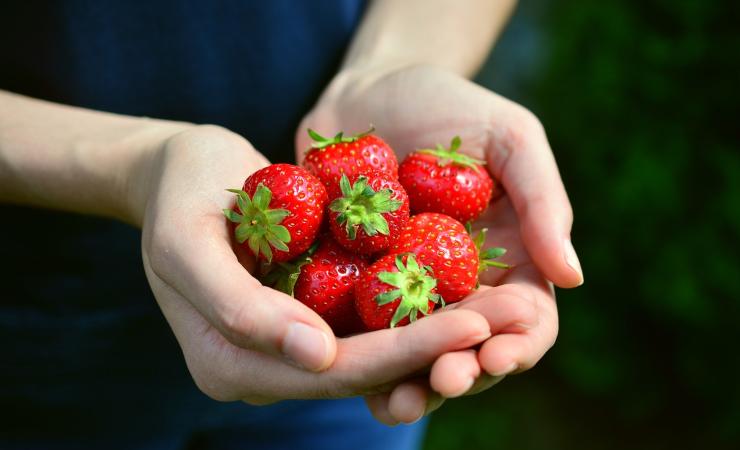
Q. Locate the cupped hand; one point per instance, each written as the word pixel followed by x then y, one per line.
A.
pixel 519 306
pixel 242 340
pixel 419 107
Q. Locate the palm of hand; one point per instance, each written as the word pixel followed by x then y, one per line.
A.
pixel 420 107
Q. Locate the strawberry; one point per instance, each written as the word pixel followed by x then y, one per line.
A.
pixel 447 182
pixel 394 290
pixel 367 212
pixel 278 211
pixel 326 285
pixel 329 158
pixel 445 245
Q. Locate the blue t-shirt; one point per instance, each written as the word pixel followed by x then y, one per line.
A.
pixel 84 350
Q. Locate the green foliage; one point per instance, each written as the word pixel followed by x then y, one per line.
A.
pixel 640 101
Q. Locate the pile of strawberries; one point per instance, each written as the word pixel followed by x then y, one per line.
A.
pixel 339 235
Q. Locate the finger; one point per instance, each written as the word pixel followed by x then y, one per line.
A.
pixel 369 363
pixel 454 374
pixel 518 347
pixel 384 356
pixel 523 161
pixel 412 400
pixel 504 354
pixel 484 382
pixel 205 270
pixel 508 308
pixel 378 406
pixel 408 401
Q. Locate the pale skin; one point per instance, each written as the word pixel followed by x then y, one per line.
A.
pixel 243 341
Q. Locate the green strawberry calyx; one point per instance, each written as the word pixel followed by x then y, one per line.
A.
pixel 414 287
pixel 283 276
pixel 486 256
pixel 320 141
pixel 361 206
pixel 452 156
pixel 259 226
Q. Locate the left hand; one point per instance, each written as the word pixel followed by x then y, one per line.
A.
pixel 418 107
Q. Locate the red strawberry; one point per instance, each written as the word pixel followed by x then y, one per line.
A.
pixel 279 211
pixel 393 291
pixel 326 285
pixel 446 182
pixel 445 245
pixel 329 158
pixel 367 212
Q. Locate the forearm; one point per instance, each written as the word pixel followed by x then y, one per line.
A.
pixel 69 158
pixel 446 33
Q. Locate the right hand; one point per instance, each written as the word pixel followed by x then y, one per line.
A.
pixel 242 340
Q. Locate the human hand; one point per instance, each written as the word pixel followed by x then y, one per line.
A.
pixel 242 340
pixel 519 305
pixel 418 107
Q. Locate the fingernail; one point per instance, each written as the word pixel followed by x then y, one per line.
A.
pixel 306 346
pixel 572 259
pixel 510 368
pixel 411 422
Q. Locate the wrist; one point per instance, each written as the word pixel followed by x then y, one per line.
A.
pixel 134 157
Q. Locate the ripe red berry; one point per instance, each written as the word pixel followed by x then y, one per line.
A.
pixel 330 158
pixel 367 212
pixel 393 291
pixel 447 182
pixel 445 245
pixel 278 211
pixel 326 285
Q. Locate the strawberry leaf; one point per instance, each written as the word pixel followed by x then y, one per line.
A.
pixel 283 276
pixel 452 156
pixel 414 289
pixel 232 215
pixel 360 205
pixel 320 141
pixel 388 297
pixel 259 226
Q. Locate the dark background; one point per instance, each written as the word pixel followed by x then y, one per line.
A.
pixel 640 102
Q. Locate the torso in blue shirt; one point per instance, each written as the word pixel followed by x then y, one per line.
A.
pixel 84 350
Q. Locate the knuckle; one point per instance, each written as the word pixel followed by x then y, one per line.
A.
pixel 158 245
pixel 529 121
pixel 522 126
pixel 240 326
pixel 331 389
pixel 333 384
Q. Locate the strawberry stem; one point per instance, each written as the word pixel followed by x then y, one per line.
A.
pixel 283 276
pixel 258 225
pixel 414 289
pixel 451 155
pixel 360 205
pixel 321 141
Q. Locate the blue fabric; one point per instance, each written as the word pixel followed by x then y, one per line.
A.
pixel 86 358
pixel 325 425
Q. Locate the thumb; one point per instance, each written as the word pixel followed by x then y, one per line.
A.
pixel 526 167
pixel 206 271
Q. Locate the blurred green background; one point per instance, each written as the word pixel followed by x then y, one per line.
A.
pixel 640 102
